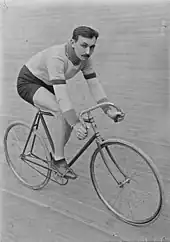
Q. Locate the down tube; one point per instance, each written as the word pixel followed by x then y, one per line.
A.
pixel 81 151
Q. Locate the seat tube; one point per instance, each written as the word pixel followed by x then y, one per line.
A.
pixel 34 124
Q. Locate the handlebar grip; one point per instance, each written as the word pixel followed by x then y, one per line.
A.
pixel 119 117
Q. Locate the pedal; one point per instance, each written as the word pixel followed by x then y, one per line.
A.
pixel 60 179
pixel 70 174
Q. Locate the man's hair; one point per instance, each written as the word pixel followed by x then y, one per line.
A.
pixel 85 32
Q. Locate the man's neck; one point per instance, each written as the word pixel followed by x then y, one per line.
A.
pixel 70 52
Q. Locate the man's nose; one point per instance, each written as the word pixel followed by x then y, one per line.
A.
pixel 88 50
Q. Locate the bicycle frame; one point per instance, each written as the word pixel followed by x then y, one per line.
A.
pixel 40 117
pixel 95 137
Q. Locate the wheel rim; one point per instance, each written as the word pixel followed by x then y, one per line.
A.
pixel 143 207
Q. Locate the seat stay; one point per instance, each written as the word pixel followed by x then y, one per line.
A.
pixel 31 130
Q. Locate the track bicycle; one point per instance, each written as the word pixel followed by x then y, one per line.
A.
pixel 124 177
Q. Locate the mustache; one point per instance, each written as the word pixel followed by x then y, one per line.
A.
pixel 86 55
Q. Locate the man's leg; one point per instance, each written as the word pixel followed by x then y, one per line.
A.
pixel 46 100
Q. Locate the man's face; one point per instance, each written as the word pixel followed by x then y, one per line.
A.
pixel 84 47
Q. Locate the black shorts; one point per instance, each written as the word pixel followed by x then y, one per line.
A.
pixel 28 84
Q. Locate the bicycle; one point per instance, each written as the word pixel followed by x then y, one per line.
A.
pixel 113 167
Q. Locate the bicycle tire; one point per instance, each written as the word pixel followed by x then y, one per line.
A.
pixel 45 174
pixel 154 171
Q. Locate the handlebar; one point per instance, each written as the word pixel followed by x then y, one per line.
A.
pixel 100 106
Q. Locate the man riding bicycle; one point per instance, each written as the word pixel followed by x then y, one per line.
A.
pixel 42 83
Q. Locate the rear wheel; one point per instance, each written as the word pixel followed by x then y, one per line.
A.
pixel 31 167
pixel 127 182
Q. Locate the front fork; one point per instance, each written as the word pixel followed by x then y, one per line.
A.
pixel 126 178
pixel 99 141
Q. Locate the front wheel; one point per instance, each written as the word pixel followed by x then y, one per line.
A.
pixel 127 182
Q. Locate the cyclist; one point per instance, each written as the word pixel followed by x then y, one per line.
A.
pixel 42 83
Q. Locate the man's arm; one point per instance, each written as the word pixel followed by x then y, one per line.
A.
pixel 95 87
pixel 98 93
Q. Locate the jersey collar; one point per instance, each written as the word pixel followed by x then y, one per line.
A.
pixel 70 53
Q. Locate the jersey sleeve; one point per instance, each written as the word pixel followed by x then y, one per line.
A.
pixel 55 66
pixel 88 70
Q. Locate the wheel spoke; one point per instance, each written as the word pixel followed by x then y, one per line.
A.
pixel 131 210
pixel 17 141
pixel 118 196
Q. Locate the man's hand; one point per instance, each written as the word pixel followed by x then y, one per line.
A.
pixel 81 131
pixel 116 116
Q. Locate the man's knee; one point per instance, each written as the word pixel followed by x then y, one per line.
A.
pixel 46 100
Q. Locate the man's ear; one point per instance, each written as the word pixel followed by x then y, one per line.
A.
pixel 72 42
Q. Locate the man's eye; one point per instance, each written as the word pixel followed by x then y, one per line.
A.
pixel 92 47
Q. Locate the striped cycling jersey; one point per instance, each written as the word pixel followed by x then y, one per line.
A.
pixel 58 63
